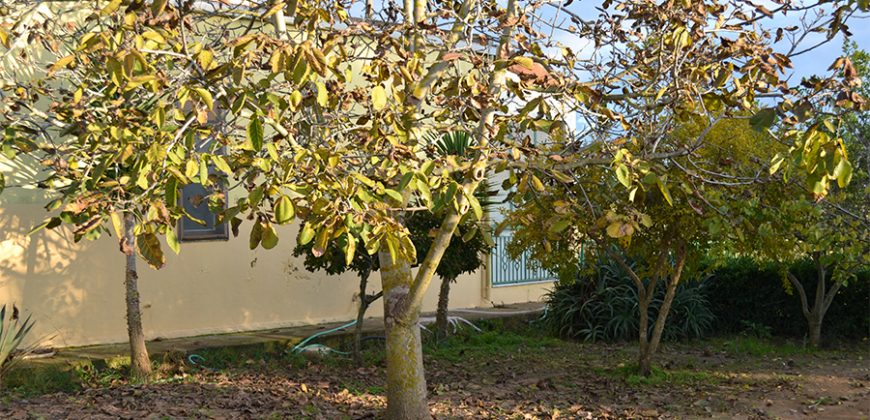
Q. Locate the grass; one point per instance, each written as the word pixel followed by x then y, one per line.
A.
pixel 753 346
pixel 495 339
pixel 659 377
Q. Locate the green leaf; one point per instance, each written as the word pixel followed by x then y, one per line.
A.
pixel 306 235
pixel 158 6
pixel 395 195
pixel 284 210
pixel 41 226
pixel 150 250
pixel 379 98
pixel 222 165
pixel 2 182
pixel 320 242
pixel 614 230
pixel 763 119
pixel 622 175
pixel 255 134
pixel 270 237
pixel 560 226
pixel 206 97
pixel 256 235
pixel 843 172
pixel 172 241
pixel 475 206
pixel 665 192
pixel 349 249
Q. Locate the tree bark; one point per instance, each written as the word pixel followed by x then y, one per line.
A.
pixel 815 329
pixel 406 380
pixel 140 363
pixel 360 318
pixel 649 349
pixel 441 322
pixel 815 315
pixel 644 361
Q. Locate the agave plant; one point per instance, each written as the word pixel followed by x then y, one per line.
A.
pixel 12 333
pixel 603 307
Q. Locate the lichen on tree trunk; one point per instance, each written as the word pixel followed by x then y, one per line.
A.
pixel 406 380
pixel 441 320
pixel 140 363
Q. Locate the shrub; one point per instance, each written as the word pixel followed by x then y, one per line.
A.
pixel 747 297
pixel 603 307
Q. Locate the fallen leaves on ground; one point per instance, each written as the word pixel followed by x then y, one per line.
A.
pixel 559 379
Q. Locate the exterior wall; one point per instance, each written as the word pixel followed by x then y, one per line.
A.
pixel 75 291
pixel 76 296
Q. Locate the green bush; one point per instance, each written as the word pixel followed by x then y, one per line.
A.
pixel 604 307
pixel 745 295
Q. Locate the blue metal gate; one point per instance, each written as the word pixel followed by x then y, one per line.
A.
pixel 504 271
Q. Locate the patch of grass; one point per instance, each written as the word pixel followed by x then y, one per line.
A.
pixel 38 379
pixel 659 377
pixel 487 343
pixel 754 346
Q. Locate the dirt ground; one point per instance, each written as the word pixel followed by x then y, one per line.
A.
pixel 491 375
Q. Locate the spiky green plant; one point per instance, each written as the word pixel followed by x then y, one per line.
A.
pixel 12 334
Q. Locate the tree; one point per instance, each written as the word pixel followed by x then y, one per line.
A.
pixel 833 231
pixel 656 234
pixel 333 262
pixel 119 104
pixel 664 190
pixel 461 257
pixel 324 117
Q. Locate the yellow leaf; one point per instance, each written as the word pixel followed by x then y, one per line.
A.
pixel 61 63
pixel 379 98
pixel 112 7
pixel 525 62
pixel 322 97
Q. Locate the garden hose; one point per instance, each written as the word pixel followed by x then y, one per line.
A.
pixel 319 347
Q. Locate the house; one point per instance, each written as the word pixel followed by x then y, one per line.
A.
pixel 76 291
pixel 217 284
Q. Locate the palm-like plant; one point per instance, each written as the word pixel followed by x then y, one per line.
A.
pixel 12 334
pixel 456 260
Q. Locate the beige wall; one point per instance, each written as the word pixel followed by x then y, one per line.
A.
pixel 75 291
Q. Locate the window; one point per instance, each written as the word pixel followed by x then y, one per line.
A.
pixel 194 198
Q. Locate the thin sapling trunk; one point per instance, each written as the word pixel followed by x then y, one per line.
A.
pixel 140 363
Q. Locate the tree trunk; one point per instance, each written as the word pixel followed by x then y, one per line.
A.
pixel 140 363
pixel 814 323
pixel 441 322
pixel 644 359
pixel 360 318
pixel 649 349
pixel 406 380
